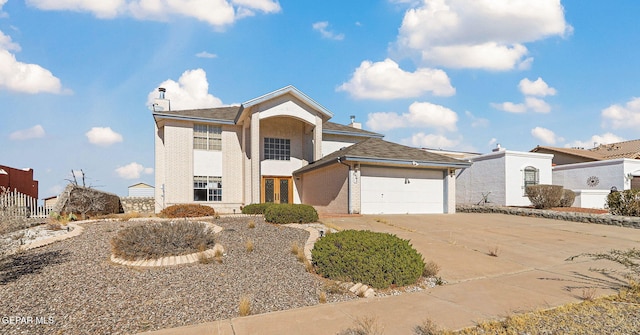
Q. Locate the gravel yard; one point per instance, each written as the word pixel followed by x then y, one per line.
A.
pixel 71 287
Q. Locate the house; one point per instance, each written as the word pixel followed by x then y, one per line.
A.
pixel 593 173
pixel 501 176
pixel 20 180
pixel 141 190
pixel 282 148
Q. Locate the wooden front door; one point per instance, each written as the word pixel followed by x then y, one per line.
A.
pixel 278 190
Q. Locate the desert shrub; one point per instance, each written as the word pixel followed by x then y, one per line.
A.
pixel 290 213
pixel 187 211
pixel 255 208
pixel 544 196
pixel 625 203
pixel 155 240
pixel 376 259
pixel 568 197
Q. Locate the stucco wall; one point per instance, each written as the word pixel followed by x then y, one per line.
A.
pixel 332 143
pixel 178 180
pixel 485 175
pixel 326 189
pixel 516 162
pixel 609 173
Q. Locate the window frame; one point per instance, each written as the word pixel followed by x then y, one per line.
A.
pixel 276 149
pixel 528 173
pixel 207 137
pixel 209 187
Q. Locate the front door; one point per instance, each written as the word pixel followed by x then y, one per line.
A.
pixel 278 190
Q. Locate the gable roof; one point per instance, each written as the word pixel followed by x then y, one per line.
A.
pixel 288 90
pixel 224 115
pixel 340 129
pixel 376 150
pixel 569 151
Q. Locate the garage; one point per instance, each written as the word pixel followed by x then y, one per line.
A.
pixel 386 190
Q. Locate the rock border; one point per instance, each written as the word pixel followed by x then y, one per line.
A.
pixel 604 219
pixel 174 259
pixel 77 230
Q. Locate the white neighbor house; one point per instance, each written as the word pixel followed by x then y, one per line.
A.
pixel 592 181
pixel 282 148
pixel 501 177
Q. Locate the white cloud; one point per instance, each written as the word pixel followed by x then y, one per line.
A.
pixel 531 90
pixel 476 121
pixel 205 54
pixel 386 80
pixel 103 136
pixel 421 114
pixel 23 77
pixel 217 13
pixel 433 141
pixel 627 116
pixel 191 91
pixel 487 34
pixel 322 26
pixel 34 132
pixel 595 140
pixel 537 88
pixel 509 107
pixel 546 136
pixel 132 171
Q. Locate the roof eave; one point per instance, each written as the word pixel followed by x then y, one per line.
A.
pixel 348 133
pixel 416 163
pixel 291 90
pixel 158 116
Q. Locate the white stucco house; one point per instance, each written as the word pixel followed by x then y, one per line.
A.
pixel 282 148
pixel 500 177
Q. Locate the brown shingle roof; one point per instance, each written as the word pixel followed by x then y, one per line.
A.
pixel 569 151
pixel 376 149
pixel 332 127
pixel 626 149
pixel 227 114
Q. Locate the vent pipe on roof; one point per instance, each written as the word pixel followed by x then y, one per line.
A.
pixel 355 124
pixel 498 148
pixel 161 104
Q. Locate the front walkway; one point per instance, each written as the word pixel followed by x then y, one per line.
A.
pixel 529 272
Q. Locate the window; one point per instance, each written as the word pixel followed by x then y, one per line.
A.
pixel 207 137
pixel 277 149
pixel 530 177
pixel 207 188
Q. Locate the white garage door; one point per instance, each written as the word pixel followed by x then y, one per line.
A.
pixel 401 191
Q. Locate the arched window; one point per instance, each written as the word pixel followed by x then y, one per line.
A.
pixel 531 177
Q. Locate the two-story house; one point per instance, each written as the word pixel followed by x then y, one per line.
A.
pixel 282 148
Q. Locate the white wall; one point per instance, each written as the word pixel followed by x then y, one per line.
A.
pixel 501 175
pixel 516 162
pixel 609 173
pixel 332 143
pixel 591 198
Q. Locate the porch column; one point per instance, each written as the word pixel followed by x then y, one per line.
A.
pixel 317 139
pixel 450 191
pixel 255 158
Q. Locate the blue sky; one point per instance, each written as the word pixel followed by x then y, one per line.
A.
pixel 76 76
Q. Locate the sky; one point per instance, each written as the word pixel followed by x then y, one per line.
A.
pixel 77 76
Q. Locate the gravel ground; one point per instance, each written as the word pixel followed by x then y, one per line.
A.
pixel 71 287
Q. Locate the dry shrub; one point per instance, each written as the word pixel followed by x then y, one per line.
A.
pixel 364 326
pixel 187 211
pixel 568 198
pixel 155 240
pixel 52 225
pixel 252 224
pixel 431 269
pixel 427 327
pixel 494 251
pixel 248 245
pixel 244 306
pixel 588 293
pixel 322 297
pixel 544 196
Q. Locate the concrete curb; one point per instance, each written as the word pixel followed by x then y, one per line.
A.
pixel 77 230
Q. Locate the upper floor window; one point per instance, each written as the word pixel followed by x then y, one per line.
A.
pixel 206 137
pixel 531 177
pixel 277 149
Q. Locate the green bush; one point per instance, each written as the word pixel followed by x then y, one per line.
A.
pixel 256 208
pixel 568 197
pixel 544 196
pixel 626 203
pixel 375 259
pixel 290 213
pixel 187 211
pixel 155 240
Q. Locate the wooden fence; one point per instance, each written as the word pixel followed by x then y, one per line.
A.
pixel 17 204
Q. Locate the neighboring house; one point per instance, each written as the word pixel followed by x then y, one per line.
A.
pixel 20 180
pixel 500 177
pixel 593 173
pixel 592 181
pixel 50 202
pixel 141 190
pixel 282 148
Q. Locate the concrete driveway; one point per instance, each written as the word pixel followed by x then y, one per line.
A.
pixel 529 272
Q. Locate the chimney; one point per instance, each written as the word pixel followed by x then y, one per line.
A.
pixel 498 148
pixel 161 104
pixel 355 124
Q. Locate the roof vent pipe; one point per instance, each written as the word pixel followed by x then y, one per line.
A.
pixel 162 90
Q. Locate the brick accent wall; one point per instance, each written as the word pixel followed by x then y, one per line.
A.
pixel 326 189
